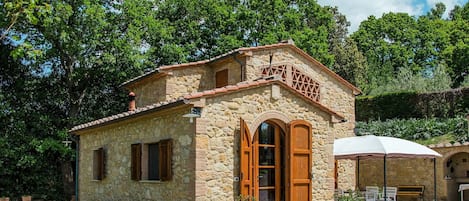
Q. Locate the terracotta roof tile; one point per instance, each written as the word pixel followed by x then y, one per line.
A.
pixel 261 82
pixel 123 115
pixel 208 93
pixel 244 49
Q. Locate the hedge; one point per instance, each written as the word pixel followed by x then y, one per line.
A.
pixel 416 129
pixel 405 105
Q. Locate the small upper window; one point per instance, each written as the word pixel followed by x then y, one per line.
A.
pixel 221 78
pixel 151 161
pixel 98 164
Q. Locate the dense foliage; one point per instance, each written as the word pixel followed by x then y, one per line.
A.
pixel 445 104
pixel 62 63
pixel 398 42
pixel 417 129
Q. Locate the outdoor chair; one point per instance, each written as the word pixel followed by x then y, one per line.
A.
pixel 371 190
pixel 391 193
pixel 370 196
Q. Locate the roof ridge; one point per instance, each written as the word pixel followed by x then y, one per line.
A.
pixel 163 67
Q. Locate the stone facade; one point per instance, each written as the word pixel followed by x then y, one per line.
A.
pixel 223 139
pixel 117 139
pixel 206 152
pixel 150 91
pixel 451 170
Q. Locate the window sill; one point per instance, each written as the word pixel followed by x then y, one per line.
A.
pixel 151 181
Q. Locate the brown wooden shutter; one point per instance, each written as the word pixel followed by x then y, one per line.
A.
pixel 221 78
pixel 165 159
pixel 245 160
pixel 98 160
pixel 300 160
pixel 136 162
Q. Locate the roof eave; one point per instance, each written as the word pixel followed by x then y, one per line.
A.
pixel 260 83
pixel 77 130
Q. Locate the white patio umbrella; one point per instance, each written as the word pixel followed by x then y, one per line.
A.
pixel 370 146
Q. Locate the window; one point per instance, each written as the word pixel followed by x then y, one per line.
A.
pixel 221 78
pixel 151 161
pixel 98 164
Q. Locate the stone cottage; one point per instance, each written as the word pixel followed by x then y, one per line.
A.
pixel 257 121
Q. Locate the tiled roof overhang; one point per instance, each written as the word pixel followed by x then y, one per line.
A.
pixel 129 114
pixel 187 100
pixel 243 51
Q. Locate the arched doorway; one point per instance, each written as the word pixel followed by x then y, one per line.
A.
pixel 276 163
pixel 456 171
pixel 269 162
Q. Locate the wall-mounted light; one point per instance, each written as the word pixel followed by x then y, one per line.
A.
pixel 67 142
pixel 194 113
pixel 339 121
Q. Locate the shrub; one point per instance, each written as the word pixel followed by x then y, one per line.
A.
pixel 416 129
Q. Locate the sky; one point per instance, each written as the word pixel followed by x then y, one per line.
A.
pixel 359 10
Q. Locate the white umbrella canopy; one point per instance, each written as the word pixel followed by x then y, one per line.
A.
pixel 370 146
pixel 379 146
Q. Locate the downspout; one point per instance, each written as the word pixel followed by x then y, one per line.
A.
pixel 242 66
pixel 77 166
pixel 434 179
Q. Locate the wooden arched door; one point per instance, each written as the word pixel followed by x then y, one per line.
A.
pixel 276 164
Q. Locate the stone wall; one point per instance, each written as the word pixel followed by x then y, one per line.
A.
pixel 188 80
pixel 234 70
pixel 177 82
pixel 220 138
pixel 334 95
pixel 150 91
pixel 331 89
pixel 117 140
pixel 420 172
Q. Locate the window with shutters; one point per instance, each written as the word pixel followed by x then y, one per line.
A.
pixel 221 78
pixel 151 161
pixel 98 164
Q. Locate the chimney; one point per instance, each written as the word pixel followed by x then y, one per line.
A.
pixel 132 101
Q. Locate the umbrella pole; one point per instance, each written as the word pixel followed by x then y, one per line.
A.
pixel 358 173
pixel 434 179
pixel 384 173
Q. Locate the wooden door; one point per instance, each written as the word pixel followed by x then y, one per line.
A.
pixel 299 142
pixel 269 184
pixel 245 160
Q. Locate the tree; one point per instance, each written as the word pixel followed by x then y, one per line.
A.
pixel 72 58
pixel 351 64
pixel 207 28
pixel 396 41
pixel 20 11
pixel 88 49
pixel 456 55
